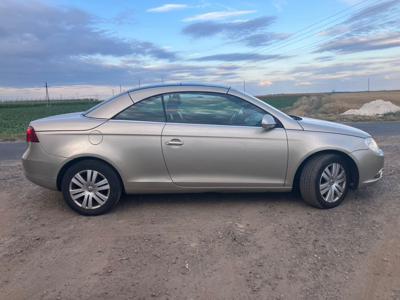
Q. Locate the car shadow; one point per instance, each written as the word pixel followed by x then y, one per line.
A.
pixel 213 199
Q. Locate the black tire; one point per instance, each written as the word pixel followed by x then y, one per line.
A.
pixel 310 180
pixel 114 192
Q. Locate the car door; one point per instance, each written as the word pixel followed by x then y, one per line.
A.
pixel 216 140
pixel 132 140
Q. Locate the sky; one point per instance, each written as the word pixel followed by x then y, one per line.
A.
pixel 98 48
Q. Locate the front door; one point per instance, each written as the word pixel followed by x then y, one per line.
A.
pixel 216 140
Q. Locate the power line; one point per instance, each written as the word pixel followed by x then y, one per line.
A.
pixel 329 39
pixel 303 36
pixel 307 31
pixel 298 34
pixel 316 43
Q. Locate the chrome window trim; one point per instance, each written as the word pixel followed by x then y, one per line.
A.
pixel 194 124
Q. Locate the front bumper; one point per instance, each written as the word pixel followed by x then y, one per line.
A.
pixel 370 166
pixel 378 176
pixel 41 167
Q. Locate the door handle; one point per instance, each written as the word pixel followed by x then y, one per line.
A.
pixel 175 142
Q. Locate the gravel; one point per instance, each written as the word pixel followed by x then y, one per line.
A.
pixel 201 246
pixel 376 107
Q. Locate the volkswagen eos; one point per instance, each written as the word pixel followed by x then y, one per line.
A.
pixel 195 138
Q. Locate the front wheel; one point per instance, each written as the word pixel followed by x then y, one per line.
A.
pixel 91 187
pixel 324 181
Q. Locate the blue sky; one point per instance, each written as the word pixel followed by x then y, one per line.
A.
pixel 90 48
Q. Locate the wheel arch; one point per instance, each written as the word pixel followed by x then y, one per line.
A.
pixel 75 160
pixel 354 172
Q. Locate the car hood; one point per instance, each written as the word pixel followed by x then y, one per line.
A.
pixel 331 127
pixel 66 122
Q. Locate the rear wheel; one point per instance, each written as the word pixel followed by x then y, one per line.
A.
pixel 91 187
pixel 324 181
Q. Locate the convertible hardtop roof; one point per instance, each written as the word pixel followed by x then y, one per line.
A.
pixel 178 84
pixel 109 108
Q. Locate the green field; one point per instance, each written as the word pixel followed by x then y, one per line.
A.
pixel 15 116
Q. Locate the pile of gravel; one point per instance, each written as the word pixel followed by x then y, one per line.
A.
pixel 373 108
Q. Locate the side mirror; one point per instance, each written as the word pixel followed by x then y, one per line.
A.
pixel 268 122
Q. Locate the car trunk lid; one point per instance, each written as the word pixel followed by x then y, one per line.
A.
pixel 66 122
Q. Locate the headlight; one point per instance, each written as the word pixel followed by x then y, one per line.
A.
pixel 373 146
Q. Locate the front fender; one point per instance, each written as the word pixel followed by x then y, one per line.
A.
pixel 304 144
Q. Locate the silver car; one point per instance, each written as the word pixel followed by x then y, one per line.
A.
pixel 195 138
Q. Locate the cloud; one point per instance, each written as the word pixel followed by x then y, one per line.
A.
pixel 167 7
pixel 229 29
pixel 374 27
pixel 335 68
pixel 279 4
pixel 264 39
pixel 94 71
pixel 231 57
pixel 303 83
pixel 250 32
pixel 123 17
pixel 36 30
pixel 218 15
pixel 39 41
pixel 374 18
pixel 265 83
pixel 149 49
pixel 325 58
pixel 352 70
pixel 360 44
pixel 373 10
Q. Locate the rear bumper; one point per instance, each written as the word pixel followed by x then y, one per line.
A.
pixel 40 167
pixel 370 166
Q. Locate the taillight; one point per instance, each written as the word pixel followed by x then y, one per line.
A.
pixel 31 136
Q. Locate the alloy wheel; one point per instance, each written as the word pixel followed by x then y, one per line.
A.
pixel 332 183
pixel 89 189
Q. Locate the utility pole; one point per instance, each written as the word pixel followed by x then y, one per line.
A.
pixel 244 86
pixel 47 94
pixel 139 82
pixel 120 89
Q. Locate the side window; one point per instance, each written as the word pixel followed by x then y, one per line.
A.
pixel 209 108
pixel 150 110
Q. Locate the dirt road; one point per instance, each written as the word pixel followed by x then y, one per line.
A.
pixel 207 246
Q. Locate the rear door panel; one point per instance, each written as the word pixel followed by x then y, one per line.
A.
pixel 135 147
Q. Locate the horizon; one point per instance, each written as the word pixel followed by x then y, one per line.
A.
pixel 42 96
pixel 94 49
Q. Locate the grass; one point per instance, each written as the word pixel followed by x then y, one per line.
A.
pixel 15 116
